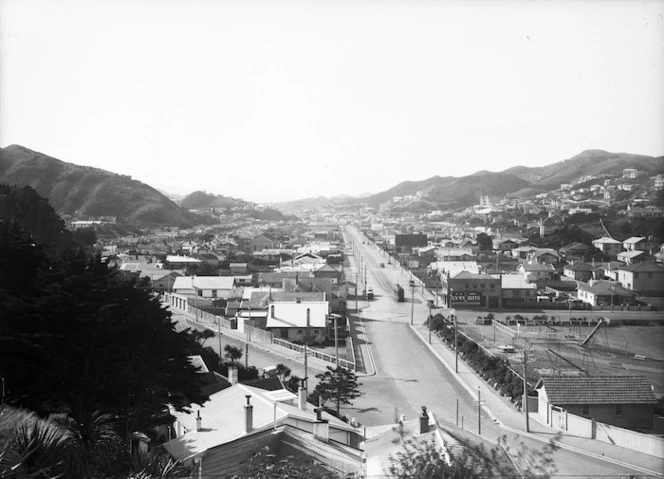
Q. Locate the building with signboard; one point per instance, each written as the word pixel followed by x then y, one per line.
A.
pixel 473 290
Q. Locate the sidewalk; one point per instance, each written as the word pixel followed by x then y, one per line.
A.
pixel 507 417
pixel 274 349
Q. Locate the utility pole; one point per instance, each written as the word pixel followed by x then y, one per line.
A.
pixel 430 318
pixel 357 287
pixel 479 412
pixel 456 346
pixel 525 385
pixel 246 352
pixel 306 354
pixel 219 336
pixel 336 340
pixel 412 301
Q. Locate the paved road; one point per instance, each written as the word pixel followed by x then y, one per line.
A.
pixel 407 374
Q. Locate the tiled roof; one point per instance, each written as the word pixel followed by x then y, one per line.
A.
pixel 599 390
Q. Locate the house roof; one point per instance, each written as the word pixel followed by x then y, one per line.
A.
pixel 537 267
pixel 455 267
pixel 644 267
pixel 634 240
pixel 223 419
pixel 261 299
pixel 468 275
pixel 516 281
pixel 204 282
pixel 545 251
pixel 632 254
pixel 580 267
pixel 277 277
pixel 182 259
pixel 605 288
pixel 294 315
pixel 607 240
pixel 598 390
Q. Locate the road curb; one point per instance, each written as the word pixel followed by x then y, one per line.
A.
pixel 531 435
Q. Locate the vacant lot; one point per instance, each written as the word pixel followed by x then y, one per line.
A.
pixel 612 350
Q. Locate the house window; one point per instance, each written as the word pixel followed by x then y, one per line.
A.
pixel 492 286
pixel 585 410
pixel 315 331
pixel 299 331
pixel 618 409
pixel 214 293
pixel 200 293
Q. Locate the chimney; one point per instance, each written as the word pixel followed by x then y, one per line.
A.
pixel 424 421
pixel 232 375
pixel 301 398
pixel 321 426
pixel 248 416
pixel 199 421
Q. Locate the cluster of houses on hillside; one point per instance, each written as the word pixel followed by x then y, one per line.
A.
pixel 526 274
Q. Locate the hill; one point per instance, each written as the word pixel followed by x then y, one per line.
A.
pixel 452 192
pixel 587 163
pixel 203 201
pixel 82 191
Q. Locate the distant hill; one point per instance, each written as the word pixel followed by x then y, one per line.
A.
pixel 201 200
pixel 465 191
pixel 587 163
pixel 83 191
pixel 299 207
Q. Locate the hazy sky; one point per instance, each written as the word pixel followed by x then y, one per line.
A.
pixel 280 100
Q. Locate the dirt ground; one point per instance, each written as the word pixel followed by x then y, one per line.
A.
pixel 612 350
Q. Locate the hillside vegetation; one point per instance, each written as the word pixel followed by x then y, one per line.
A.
pixel 83 191
pixel 451 192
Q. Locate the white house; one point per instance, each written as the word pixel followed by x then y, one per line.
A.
pixel 206 286
pixel 289 320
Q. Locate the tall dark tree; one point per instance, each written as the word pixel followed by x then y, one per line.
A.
pixel 75 338
pixel 92 341
pixel 336 384
pixel 484 241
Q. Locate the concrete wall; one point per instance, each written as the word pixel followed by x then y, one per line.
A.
pixel 633 416
pixel 584 427
pixel 629 439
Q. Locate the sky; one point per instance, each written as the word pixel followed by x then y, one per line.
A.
pixel 274 100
